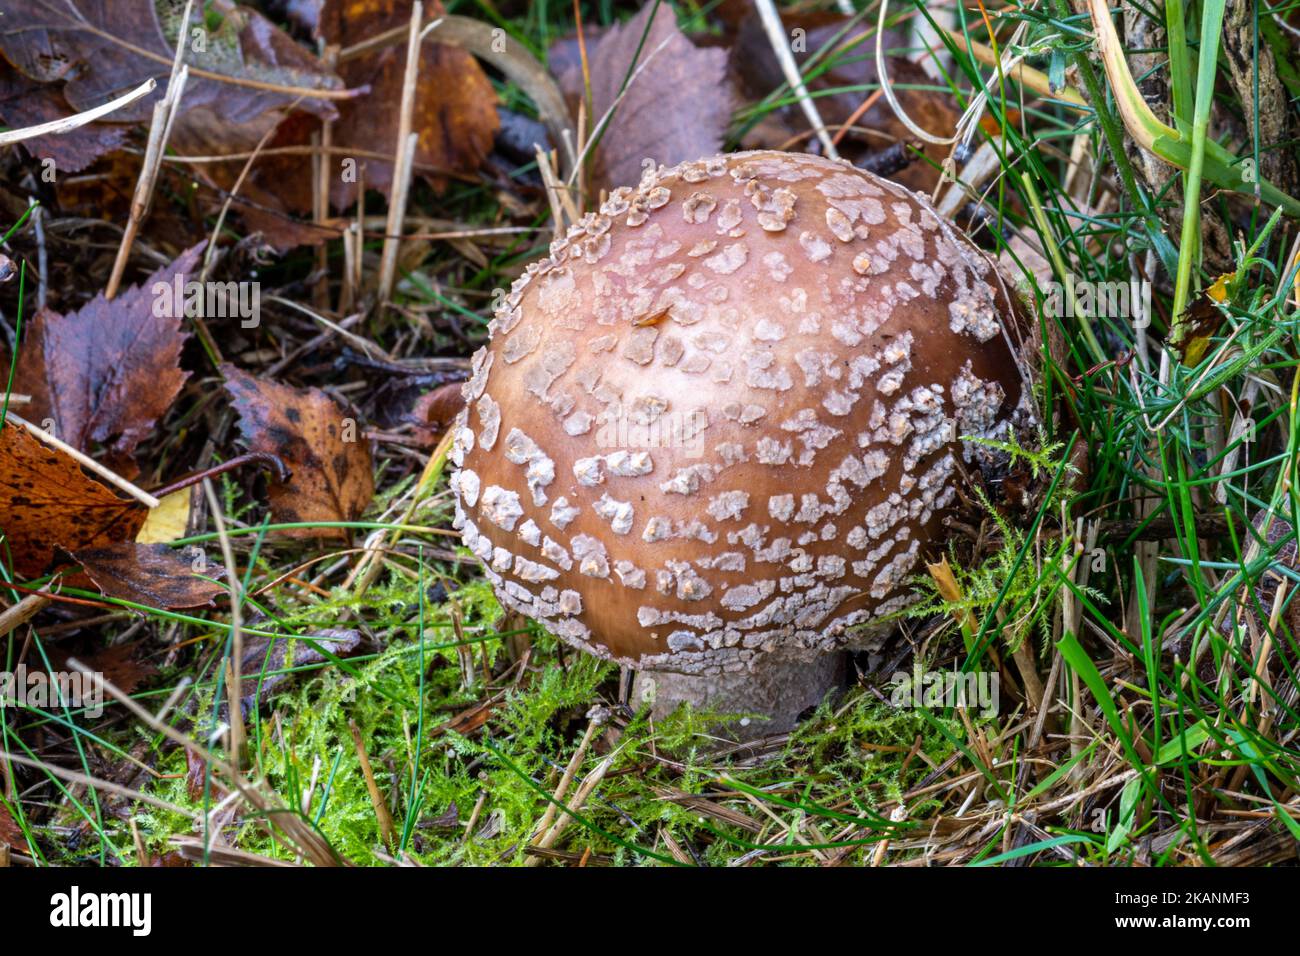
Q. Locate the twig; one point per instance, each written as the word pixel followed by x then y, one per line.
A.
pixel 780 41
pixel 403 158
pixel 233 676
pixel 69 123
pixel 164 111
pixel 376 798
pixel 21 613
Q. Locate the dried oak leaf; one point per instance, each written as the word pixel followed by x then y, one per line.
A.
pixel 151 574
pixel 455 104
pixel 109 370
pixel 676 107
pixel 332 473
pixel 46 502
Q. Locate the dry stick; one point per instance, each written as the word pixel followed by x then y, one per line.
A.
pixel 569 772
pixel 22 612
pixel 236 626
pixel 160 127
pixel 85 461
pixel 376 798
pixel 403 158
pixel 584 791
pixel 69 123
pixel 780 41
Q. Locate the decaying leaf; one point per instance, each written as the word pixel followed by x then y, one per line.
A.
pixel 676 108
pixel 24 102
pixel 1197 326
pixel 266 661
pixel 169 520
pixel 150 574
pixel 332 474
pixel 119 664
pixel 47 502
pixel 110 370
pixel 11 834
pixel 100 49
pixel 455 104
pixel 434 411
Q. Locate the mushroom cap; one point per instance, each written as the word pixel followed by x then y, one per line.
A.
pixel 723 417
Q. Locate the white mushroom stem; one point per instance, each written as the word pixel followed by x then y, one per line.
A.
pixel 771 696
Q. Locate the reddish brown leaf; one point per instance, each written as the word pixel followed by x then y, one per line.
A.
pixel 151 574
pixel 434 411
pixel 332 476
pixel 24 102
pixel 455 104
pixel 118 664
pixel 676 108
pixel 109 370
pixel 100 49
pixel 46 502
pixel 11 834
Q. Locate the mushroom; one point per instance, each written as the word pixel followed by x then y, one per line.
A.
pixel 715 430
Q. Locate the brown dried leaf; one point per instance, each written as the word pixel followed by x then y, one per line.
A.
pixel 11 834
pixel 100 49
pixel 455 104
pixel 109 370
pixel 46 502
pixel 273 657
pixel 332 476
pixel 119 664
pixel 676 108
pixel 151 574
pixel 434 412
pixel 23 102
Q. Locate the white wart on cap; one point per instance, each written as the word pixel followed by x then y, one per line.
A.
pixel 722 418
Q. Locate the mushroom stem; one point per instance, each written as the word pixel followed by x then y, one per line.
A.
pixel 772 694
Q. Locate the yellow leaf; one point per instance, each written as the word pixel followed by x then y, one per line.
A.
pixel 168 521
pixel 1219 291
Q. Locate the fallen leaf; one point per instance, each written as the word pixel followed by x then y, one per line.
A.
pixel 332 473
pixel 109 370
pixel 455 103
pixel 46 502
pixel 24 102
pixel 100 49
pixel 151 574
pixel 267 660
pixel 118 664
pixel 169 521
pixel 676 107
pixel 434 412
pixel 11 834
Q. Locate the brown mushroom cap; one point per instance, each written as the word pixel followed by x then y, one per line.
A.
pixel 723 417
